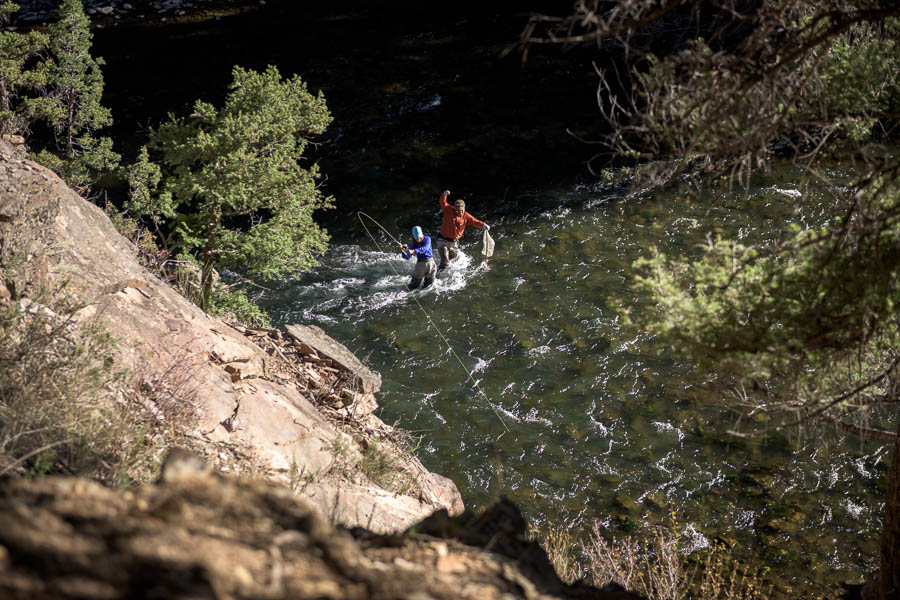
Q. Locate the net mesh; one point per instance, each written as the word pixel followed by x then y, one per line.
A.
pixel 487 248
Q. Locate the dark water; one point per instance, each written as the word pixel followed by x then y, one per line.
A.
pixel 604 424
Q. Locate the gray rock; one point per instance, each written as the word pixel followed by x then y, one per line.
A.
pixel 366 380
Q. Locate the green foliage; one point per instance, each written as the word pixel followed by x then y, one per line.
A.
pixel 234 305
pixel 145 197
pixel 234 192
pixel 72 104
pixel 778 77
pixel 860 78
pixel 702 102
pixel 22 69
pixel 809 327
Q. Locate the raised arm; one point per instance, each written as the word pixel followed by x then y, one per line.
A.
pixel 442 201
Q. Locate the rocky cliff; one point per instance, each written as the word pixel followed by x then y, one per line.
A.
pixel 199 535
pixel 293 408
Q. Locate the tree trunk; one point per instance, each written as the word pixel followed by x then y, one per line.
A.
pixel 886 584
pixel 5 106
pixel 209 254
pixel 4 94
pixel 70 125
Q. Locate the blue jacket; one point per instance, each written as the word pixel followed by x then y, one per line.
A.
pixel 422 250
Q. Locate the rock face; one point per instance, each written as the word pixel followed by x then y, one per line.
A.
pixel 198 535
pixel 243 400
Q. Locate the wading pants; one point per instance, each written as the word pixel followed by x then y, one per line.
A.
pixel 448 250
pixel 425 269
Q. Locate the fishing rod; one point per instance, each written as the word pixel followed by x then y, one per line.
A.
pixel 360 215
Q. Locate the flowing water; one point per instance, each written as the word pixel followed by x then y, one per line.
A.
pixel 604 424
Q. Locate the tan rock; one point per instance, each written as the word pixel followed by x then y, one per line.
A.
pixel 314 337
pixel 214 537
pixel 245 369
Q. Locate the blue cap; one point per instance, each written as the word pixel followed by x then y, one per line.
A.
pixel 417 232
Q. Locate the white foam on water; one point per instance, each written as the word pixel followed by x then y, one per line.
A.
pixel 789 193
pixel 668 428
pixel 481 365
pixel 601 429
pixel 695 540
pixel 362 281
pixel 506 412
pixel 744 519
pixel 860 465
pixel 560 213
pixel 533 416
pixel 853 509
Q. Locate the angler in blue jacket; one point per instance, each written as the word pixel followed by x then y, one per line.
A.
pixel 425 268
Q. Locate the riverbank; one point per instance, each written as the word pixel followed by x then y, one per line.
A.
pixel 292 406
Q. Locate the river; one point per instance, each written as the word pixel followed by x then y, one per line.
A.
pixel 582 420
pixel 576 418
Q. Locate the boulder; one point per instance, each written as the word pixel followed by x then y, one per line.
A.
pixel 312 337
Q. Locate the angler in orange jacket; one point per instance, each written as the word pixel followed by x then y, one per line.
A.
pixel 452 227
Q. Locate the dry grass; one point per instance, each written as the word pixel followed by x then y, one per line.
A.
pixel 654 566
pixel 562 549
pixel 66 408
pixel 381 467
pixel 651 566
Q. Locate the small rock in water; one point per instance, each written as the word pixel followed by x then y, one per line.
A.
pixel 657 500
pixel 126 6
pixel 627 503
pixel 106 10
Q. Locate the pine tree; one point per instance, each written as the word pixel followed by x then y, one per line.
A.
pixel 72 106
pixel 21 70
pixel 233 191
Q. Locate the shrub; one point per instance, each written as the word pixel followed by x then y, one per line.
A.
pixel 656 566
pixel 65 408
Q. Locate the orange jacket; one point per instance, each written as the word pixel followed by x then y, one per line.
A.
pixel 452 225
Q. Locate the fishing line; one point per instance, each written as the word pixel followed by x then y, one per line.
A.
pixel 360 215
